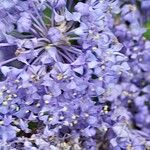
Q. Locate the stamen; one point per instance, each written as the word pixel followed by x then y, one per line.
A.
pixel 66 57
pixel 44 39
pixel 38 28
pixel 40 18
pixel 60 76
pixel 35 32
pixel 76 49
pixel 69 56
pixel 36 21
pixel 71 49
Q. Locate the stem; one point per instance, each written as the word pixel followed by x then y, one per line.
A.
pixel 37 59
pixel 6 44
pixel 73 38
pixel 70 4
pixel 8 61
pixel 31 61
pixel 52 18
pixel 48 19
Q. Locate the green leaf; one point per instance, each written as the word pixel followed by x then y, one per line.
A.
pixel 147 33
pixel 33 125
pixel 47 13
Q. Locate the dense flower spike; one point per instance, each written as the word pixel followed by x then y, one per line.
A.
pixel 74 75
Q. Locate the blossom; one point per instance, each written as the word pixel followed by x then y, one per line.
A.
pixel 78 77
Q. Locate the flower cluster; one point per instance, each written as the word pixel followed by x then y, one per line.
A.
pixel 73 76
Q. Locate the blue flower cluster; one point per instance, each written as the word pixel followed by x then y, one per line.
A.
pixel 74 75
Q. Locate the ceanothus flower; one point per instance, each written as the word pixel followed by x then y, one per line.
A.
pixel 77 79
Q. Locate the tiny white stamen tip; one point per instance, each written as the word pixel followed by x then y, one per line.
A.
pixel 1 122
pixel 17 108
pixel 74 117
pixel 75 122
pixel 66 123
pixel 4 88
pixel 62 117
pixel 8 91
pixel 50 119
pixel 94 48
pixel 1 93
pixel 65 108
pixel 5 103
pixel 46 102
pixel 86 115
pixel 38 105
pixel 100 78
pixel 17 81
pixel 14 95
